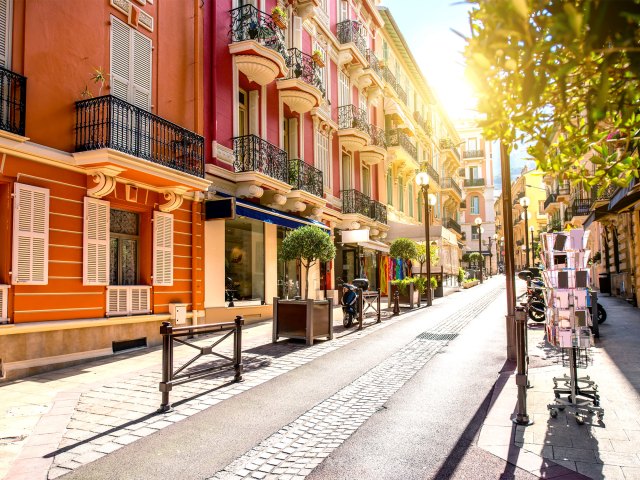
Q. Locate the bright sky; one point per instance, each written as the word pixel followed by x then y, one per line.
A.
pixel 426 26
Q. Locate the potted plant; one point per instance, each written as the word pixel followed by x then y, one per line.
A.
pixel 404 249
pixel 317 57
pixel 279 16
pixel 306 319
pixel 407 290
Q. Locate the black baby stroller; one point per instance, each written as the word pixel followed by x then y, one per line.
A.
pixel 349 304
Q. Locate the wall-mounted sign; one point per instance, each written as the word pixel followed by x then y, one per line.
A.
pixel 355 236
pixel 220 209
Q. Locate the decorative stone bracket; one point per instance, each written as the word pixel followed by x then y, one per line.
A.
pixel 105 181
pixel 174 198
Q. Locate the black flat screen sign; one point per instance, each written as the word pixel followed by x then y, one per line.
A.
pixel 219 209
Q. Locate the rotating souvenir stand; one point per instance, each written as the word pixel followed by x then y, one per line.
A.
pixel 568 320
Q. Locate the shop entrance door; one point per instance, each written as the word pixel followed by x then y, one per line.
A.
pixel 288 272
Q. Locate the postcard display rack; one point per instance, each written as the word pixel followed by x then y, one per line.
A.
pixel 568 320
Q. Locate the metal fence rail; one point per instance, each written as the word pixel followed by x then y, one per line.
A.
pixel 171 334
pixel 369 306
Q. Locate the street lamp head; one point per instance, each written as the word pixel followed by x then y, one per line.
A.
pixel 431 198
pixel 478 221
pixel 532 229
pixel 524 202
pixel 422 179
pixel 481 230
pixel 495 236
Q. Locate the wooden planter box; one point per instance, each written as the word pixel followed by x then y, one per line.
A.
pixel 409 298
pixel 470 284
pixel 303 319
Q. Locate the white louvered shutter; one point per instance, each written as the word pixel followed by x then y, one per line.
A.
pixel 30 262
pixel 141 69
pixel 97 219
pixel 5 33
pixel 162 248
pixel 120 59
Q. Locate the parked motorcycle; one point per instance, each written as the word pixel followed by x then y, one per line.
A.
pixel 349 303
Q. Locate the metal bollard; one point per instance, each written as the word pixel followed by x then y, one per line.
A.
pixel 521 417
pixel 396 303
pixel 360 307
pixel 378 302
pixel 237 357
pixel 594 314
pixel 167 365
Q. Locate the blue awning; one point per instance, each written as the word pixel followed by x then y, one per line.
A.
pixel 271 215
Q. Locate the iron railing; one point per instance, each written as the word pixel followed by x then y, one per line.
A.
pixel 474 182
pixel 551 198
pixel 424 124
pixel 249 23
pixel 303 176
pixel 374 63
pixel 391 80
pixel 451 224
pixel 354 201
pixel 518 196
pixel 463 204
pixel 108 122
pixel 603 196
pixel 473 154
pixel 433 174
pixel 564 189
pixel 447 144
pixel 378 136
pixel 302 66
pixel 580 207
pixel 253 154
pixel 350 116
pixel 13 101
pixel 378 212
pixel 350 31
pixel 398 138
pixel 450 183
pixel 171 335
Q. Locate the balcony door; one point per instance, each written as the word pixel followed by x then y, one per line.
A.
pixel 347 172
pixel 344 90
pixel 366 180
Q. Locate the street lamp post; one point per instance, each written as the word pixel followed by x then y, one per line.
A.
pixel 493 237
pixel 501 253
pixel 478 222
pixel 532 229
pixel 422 180
pixel 524 203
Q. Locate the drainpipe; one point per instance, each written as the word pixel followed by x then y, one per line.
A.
pixel 197 94
pixel 196 239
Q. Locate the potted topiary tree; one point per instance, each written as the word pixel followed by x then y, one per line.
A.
pixel 404 249
pixel 308 318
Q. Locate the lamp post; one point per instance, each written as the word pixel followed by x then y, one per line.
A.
pixel 493 237
pixel 532 229
pixel 524 203
pixel 501 254
pixel 422 180
pixel 478 222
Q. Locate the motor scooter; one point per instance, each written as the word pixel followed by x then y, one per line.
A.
pixel 349 303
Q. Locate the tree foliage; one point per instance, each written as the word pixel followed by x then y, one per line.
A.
pixel 563 76
pixel 421 257
pixel 307 244
pixel 403 248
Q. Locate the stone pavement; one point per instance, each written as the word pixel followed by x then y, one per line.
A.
pixel 598 449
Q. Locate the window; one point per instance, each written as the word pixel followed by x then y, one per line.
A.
pixel 343 10
pixel 400 194
pixel 474 232
pixel 366 180
pixel 389 188
pixel 244 260
pixel 124 243
pixel 30 258
pixel 347 172
pixel 420 207
pixel 344 92
pixel 6 22
pixel 411 199
pixel 243 118
pixel 473 173
pixel 363 105
pixel 475 205
pixel 322 71
pixel 130 65
pixel 472 144
pixel 323 162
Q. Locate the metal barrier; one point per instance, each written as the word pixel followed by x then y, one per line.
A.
pixel 369 300
pixel 170 335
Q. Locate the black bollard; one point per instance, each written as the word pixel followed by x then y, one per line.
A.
pixel 396 303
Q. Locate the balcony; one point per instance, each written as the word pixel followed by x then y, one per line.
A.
pixel 353 45
pixel 599 199
pixel 433 174
pixel 403 151
pixel 13 100
pixel 305 177
pixel 371 77
pixel 463 204
pixel 447 145
pixel 376 150
pixel 257 157
pixel 258 45
pixel 353 127
pixel 424 124
pixel 356 202
pixel 302 90
pixel 580 207
pixel 451 185
pixel 474 182
pixel 451 224
pixel 111 123
pixel 393 83
pixel 516 199
pixel 564 190
pixel 378 212
pixel 473 154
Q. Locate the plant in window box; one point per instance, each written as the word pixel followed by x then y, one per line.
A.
pixel 279 17
pixel 317 57
pixel 306 319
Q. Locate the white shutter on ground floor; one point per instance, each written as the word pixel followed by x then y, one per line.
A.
pixel 30 259
pixel 162 249
pixel 97 219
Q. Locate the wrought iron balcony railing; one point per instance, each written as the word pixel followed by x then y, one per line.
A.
pixel 249 23
pixel 13 101
pixel 551 198
pixel 378 212
pixel 451 224
pixel 424 124
pixel 253 154
pixel 350 31
pixel 391 80
pixel 398 138
pixel 302 66
pixel 474 182
pixel 450 183
pixel 354 201
pixel 374 63
pixel 581 206
pixel 378 136
pixel 447 144
pixel 473 154
pixel 350 116
pixel 433 174
pixel 603 196
pixel 303 176
pixel 108 122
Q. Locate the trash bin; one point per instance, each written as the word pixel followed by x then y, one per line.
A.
pixel 604 282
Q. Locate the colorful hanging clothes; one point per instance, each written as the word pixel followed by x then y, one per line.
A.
pixel 383 271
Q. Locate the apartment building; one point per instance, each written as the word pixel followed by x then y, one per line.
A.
pixel 101 177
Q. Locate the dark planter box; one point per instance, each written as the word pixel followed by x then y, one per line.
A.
pixel 303 319
pixel 439 291
pixel 407 298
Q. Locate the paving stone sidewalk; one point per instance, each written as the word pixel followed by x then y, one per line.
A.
pixel 598 449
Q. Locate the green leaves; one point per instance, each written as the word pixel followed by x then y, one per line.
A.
pixel 403 248
pixel 308 244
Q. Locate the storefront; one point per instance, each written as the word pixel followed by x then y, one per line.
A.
pixel 359 259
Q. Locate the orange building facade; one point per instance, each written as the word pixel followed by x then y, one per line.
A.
pixel 101 177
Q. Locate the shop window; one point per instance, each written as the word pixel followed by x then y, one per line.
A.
pixel 288 271
pixel 124 248
pixel 244 260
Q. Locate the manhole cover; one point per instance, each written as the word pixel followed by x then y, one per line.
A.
pixel 442 337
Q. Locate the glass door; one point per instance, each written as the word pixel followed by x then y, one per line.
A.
pixel 288 271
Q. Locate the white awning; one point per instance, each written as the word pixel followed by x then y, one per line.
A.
pixel 375 245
